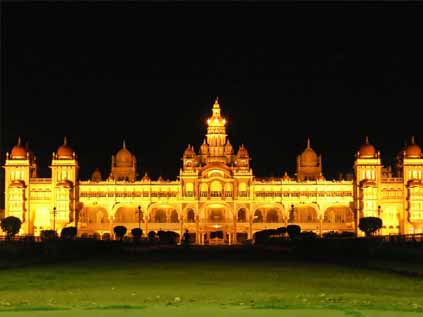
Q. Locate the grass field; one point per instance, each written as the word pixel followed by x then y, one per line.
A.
pixel 185 288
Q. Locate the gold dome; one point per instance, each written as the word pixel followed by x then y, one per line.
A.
pixel 367 150
pixel 18 151
pixel 242 152
pixel 96 175
pixel 123 157
pixel 65 151
pixel 228 148
pixel 413 150
pixel 309 157
pixel 145 178
pixel 204 148
pixel 189 151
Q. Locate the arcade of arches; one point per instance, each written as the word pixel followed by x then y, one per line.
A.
pixel 216 196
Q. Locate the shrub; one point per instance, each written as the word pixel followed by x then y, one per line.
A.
pixel 152 236
pixel 48 235
pixel 136 233
pixel 68 233
pixel 11 225
pixel 293 231
pixel 369 225
pixel 120 232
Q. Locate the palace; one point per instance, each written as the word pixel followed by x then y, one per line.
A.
pixel 216 196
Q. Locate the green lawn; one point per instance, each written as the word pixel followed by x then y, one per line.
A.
pixel 105 288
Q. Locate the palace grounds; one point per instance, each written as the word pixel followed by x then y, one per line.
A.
pixel 122 280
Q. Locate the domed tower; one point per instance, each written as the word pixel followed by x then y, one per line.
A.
pixel 309 165
pixel 17 175
pixel 64 182
pixel 216 135
pixel 124 165
pixel 242 159
pixel 413 185
pixel 204 152
pixel 367 179
pixel 399 161
pixel 189 157
pixel 229 152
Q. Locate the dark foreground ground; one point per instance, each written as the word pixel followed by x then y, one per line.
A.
pixel 252 281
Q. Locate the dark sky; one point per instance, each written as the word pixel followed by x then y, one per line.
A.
pixel 149 73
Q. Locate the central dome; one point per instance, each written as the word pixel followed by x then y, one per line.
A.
pixel 309 157
pixel 124 157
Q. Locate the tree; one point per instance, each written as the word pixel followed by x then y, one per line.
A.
pixel 293 231
pixel 68 233
pixel 119 231
pixel 369 225
pixel 136 233
pixel 186 238
pixel 48 235
pixel 11 225
pixel 281 231
pixel 152 236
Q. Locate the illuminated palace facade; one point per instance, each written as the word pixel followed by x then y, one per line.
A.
pixel 216 191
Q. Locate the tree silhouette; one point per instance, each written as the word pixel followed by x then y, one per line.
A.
pixel 369 225
pixel 11 225
pixel 119 231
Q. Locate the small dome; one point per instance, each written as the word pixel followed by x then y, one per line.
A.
pixel 413 150
pixel 204 148
pixel 242 152
pixel 65 151
pixel 124 157
pixel 228 148
pixel 18 151
pixel 145 178
pixel 321 177
pixel 160 179
pixel 189 151
pixel 96 175
pixel 367 150
pixel 285 177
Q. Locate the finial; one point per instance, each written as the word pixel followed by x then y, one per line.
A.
pixel 65 140
pixel 19 140
pixel 308 143
pixel 204 141
pixel 216 100
pixel 412 139
pixel 124 144
pixel 367 139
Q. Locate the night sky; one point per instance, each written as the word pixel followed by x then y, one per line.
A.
pixel 149 73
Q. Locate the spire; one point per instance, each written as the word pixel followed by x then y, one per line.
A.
pixel 65 140
pixel 124 144
pixel 308 143
pixel 204 141
pixel 216 103
pixel 367 140
pixel 19 141
pixel 412 139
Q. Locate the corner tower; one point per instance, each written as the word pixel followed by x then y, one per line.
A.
pixel 64 178
pixel 367 178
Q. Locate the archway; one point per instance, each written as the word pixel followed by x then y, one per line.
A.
pixel 258 216
pixel 174 216
pixel 126 214
pixel 190 216
pixel 338 214
pixel 242 215
pixel 305 214
pixel 159 216
pixel 272 216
